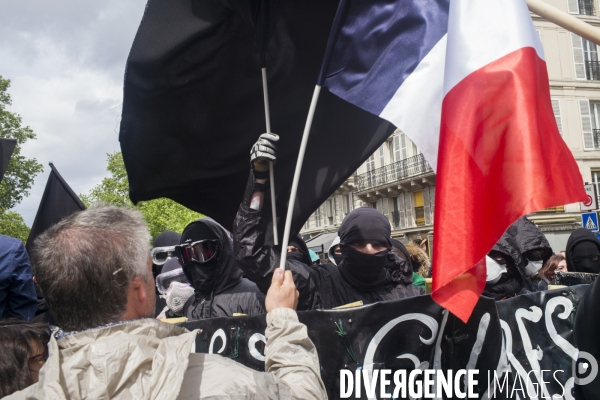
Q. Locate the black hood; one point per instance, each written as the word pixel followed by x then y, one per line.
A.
pixel 303 256
pixel 578 236
pixel 526 237
pixel 227 273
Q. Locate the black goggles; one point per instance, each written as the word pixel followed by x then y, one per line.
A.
pixel 201 251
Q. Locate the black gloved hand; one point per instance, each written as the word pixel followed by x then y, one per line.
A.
pixel 263 151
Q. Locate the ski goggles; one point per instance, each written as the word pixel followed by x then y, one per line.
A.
pixel 164 280
pixel 201 251
pixel 161 255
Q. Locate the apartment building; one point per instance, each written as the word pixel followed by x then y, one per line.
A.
pixel 399 182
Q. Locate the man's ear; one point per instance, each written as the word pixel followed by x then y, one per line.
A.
pixel 138 288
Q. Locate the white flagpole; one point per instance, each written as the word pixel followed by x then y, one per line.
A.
pixel 564 20
pixel 292 202
pixel 271 175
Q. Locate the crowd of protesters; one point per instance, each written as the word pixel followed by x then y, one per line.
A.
pixel 89 324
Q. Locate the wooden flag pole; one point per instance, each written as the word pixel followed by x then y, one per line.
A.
pixel 271 175
pixel 292 202
pixel 564 20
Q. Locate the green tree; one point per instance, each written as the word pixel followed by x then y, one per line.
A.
pixel 21 171
pixel 160 214
pixel 12 224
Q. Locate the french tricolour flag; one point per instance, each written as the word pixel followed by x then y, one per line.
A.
pixel 467 81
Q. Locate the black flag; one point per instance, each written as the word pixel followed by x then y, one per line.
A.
pixel 7 146
pixel 58 202
pixel 193 105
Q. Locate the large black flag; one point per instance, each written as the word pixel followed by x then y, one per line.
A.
pixel 58 202
pixel 193 105
pixel 7 146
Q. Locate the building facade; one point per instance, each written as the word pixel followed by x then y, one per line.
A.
pixel 399 182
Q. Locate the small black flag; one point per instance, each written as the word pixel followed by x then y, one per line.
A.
pixel 7 146
pixel 58 202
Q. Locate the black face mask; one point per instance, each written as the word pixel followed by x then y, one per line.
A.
pixel 202 276
pixel 365 272
pixel 338 258
pixel 586 257
pixel 296 256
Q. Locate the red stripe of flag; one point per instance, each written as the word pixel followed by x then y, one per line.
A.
pixel 501 156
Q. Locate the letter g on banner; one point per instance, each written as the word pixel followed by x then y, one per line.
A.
pixel 581 366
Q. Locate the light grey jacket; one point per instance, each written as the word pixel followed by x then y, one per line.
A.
pixel 149 359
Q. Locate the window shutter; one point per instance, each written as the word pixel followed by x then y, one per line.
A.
pixel 426 206
pixel 386 209
pixel 409 212
pixel 403 145
pixel 432 201
pixel 573 6
pixel 556 110
pixel 578 57
pixel 339 209
pixel 402 211
pixel 586 124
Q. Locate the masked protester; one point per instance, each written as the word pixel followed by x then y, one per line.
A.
pixel 334 253
pixel 364 273
pixel 174 287
pixel 504 279
pixel 583 252
pixel 402 252
pixel 162 250
pixel 532 248
pixel 220 290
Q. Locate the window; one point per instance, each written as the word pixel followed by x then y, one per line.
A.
pixel 596 183
pixel 403 146
pixel 318 217
pixel 581 7
pixel 590 124
pixel 396 155
pixel 415 149
pixel 381 156
pixel 329 211
pixel 585 56
pixel 419 209
pixel 556 111
pixel 347 203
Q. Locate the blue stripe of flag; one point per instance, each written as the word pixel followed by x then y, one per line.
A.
pixel 376 44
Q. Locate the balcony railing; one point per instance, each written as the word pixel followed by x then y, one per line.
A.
pixel 399 170
pixel 596 135
pixel 592 70
pixel 586 7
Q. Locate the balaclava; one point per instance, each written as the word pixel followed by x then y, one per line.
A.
pixel 582 246
pixel 363 271
pixel 302 255
pixel 202 276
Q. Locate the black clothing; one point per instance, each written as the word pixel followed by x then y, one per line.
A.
pixel 587 332
pixel 303 255
pixel 583 244
pixel 164 239
pixel 513 282
pixel 320 288
pixel 529 240
pixel 220 289
pixel 366 225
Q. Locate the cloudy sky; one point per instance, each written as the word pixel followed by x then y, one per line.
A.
pixel 65 60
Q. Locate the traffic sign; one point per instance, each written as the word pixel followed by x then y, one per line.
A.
pixel 590 221
pixel 591 203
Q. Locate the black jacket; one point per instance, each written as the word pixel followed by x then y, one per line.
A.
pixel 525 236
pixel 320 288
pixel 513 282
pixel 231 292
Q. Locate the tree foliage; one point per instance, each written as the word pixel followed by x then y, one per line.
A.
pixel 13 225
pixel 160 214
pixel 21 171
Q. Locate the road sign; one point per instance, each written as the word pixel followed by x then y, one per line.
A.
pixel 590 221
pixel 591 203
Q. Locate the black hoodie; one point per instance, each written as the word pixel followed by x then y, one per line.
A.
pixel 228 292
pixel 578 237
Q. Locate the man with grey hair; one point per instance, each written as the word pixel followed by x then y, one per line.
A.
pixel 95 271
